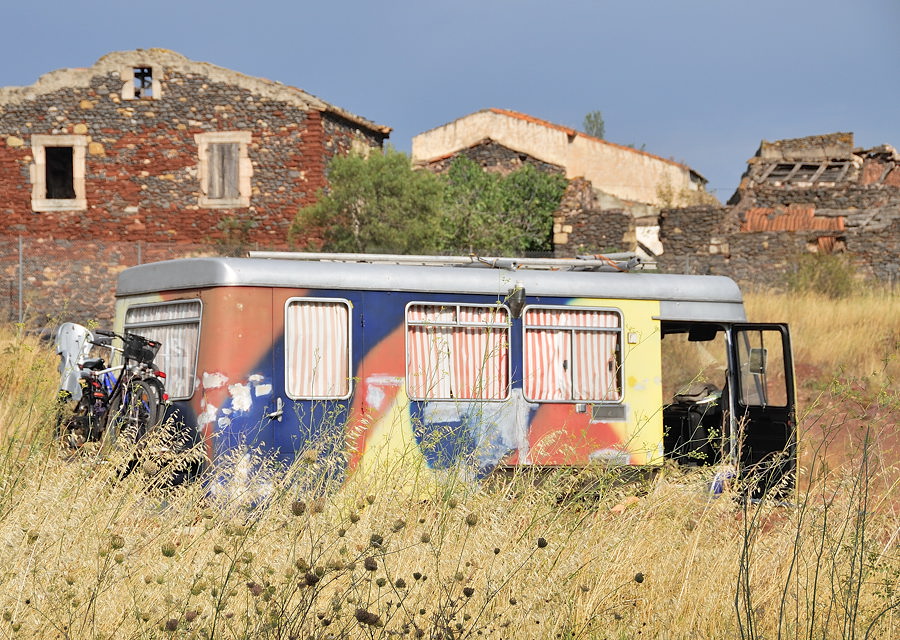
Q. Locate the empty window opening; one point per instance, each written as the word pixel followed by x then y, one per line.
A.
pixel 833 172
pixel 60 177
pixel 223 170
pixel 780 172
pixel 143 82
pixel 805 173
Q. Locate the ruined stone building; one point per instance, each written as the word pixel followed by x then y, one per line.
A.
pixel 816 194
pixel 615 192
pixel 145 156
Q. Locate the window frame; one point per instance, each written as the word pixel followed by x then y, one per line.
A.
pixel 39 200
pixel 135 326
pixel 244 168
pixel 619 351
pixel 349 355
pixel 507 326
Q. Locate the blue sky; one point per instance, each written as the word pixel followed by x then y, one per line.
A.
pixel 698 81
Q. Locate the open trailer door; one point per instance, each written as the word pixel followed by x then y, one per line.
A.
pixel 764 406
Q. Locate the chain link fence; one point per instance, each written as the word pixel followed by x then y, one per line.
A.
pixel 46 281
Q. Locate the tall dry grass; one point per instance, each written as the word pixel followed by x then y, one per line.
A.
pixel 88 556
pixel 855 337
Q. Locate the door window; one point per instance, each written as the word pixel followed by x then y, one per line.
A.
pixel 762 368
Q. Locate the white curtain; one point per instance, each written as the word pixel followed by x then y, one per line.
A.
pixel 177 327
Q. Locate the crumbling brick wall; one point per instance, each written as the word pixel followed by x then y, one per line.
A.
pixel 141 170
pixel 815 194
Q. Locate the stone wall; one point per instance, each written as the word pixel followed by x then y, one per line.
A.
pixel 708 240
pixel 494 157
pixel 73 280
pixel 582 226
pixel 621 171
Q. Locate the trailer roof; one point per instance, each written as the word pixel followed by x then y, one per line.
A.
pixel 682 297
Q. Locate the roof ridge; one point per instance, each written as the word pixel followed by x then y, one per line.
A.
pixel 575 132
pixel 53 80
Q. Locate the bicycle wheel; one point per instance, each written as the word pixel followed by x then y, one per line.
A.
pixel 134 409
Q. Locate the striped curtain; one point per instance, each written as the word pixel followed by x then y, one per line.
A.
pixel 571 354
pixel 457 352
pixel 428 349
pixel 317 349
pixel 177 327
pixel 481 354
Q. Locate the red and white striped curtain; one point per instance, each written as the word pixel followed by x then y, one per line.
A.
pixel 428 348
pixel 317 349
pixel 481 355
pixel 569 355
pixel 457 352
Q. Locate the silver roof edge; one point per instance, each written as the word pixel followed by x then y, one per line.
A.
pixel 199 273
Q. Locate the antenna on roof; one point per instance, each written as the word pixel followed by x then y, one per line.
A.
pixel 627 261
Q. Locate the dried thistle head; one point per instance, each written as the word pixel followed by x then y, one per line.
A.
pixel 298 507
pixel 368 618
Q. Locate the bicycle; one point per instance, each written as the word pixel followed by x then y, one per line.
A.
pixel 113 405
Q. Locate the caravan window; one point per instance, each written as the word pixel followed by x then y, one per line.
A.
pixel 317 348
pixel 457 351
pixel 572 354
pixel 177 326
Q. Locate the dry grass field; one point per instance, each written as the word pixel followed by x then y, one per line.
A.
pixel 87 556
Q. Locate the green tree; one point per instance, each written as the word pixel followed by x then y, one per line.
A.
pixel 594 125
pixel 374 204
pixel 380 204
pixel 489 213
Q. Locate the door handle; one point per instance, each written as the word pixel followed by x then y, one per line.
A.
pixel 279 410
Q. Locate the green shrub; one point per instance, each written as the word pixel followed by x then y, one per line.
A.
pixel 832 275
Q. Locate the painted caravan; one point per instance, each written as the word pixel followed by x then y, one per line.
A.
pixel 484 363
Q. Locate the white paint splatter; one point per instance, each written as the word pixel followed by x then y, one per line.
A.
pixel 214 380
pixel 256 378
pixel 263 389
pixel 240 397
pixel 208 414
pixel 376 384
pixel 374 397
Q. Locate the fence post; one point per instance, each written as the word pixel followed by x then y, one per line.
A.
pixel 21 282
